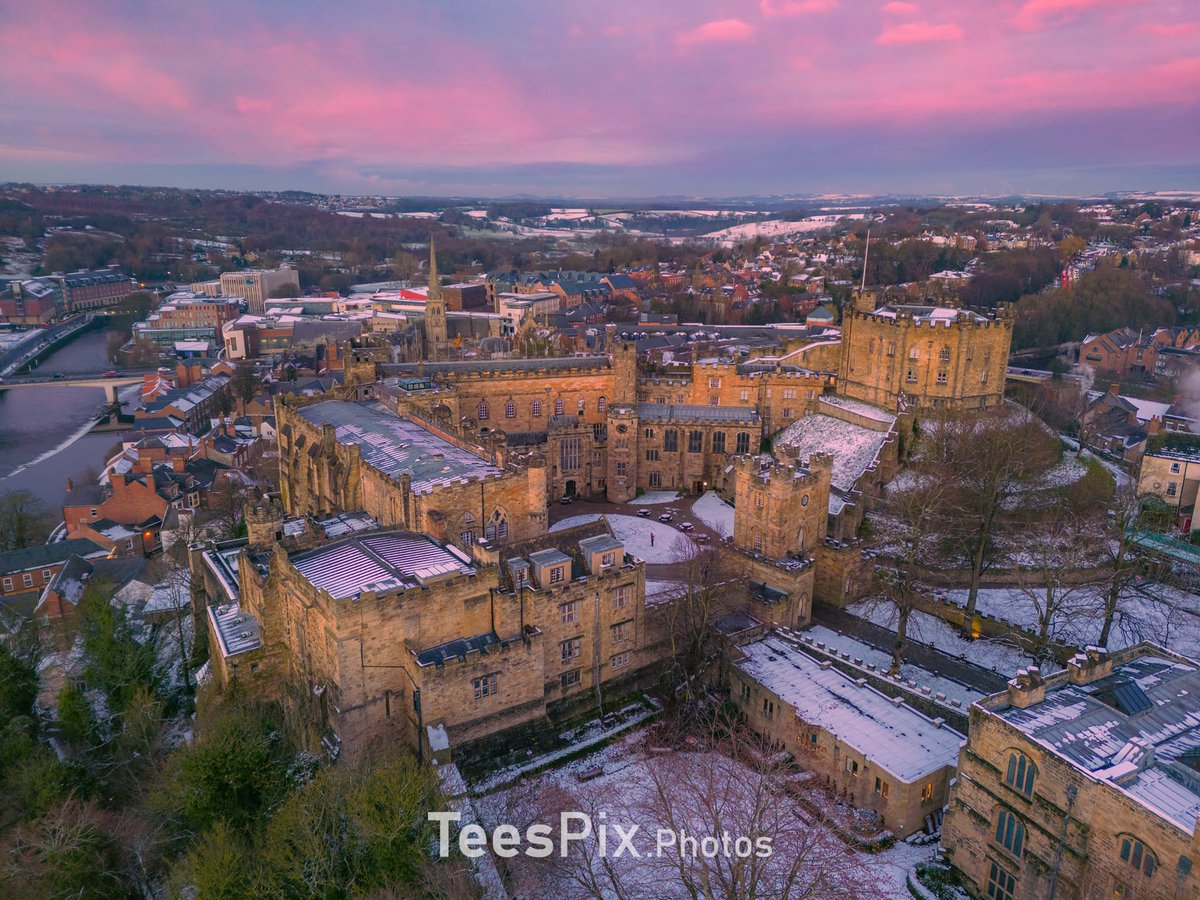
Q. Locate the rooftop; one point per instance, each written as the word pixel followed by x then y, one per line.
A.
pixel 1138 729
pixel 681 412
pixel 397 446
pixel 237 631
pixel 397 560
pixel 886 732
pixel 854 448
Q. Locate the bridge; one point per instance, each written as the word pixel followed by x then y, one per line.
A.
pixel 110 383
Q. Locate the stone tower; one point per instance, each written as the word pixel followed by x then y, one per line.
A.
pixel 621 476
pixel 781 509
pixel 624 360
pixel 436 336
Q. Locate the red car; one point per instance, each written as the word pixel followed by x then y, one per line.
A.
pixel 111 373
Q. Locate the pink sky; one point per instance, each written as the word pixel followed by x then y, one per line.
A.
pixel 612 97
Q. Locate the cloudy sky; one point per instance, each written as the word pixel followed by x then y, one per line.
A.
pixel 604 97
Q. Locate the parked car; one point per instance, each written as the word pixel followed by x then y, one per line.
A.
pixel 686 526
pixel 700 538
pixel 58 375
pixel 643 513
pixel 665 517
pixel 565 500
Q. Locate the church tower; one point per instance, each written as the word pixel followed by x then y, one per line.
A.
pixel 436 337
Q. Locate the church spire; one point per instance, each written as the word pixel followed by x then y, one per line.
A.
pixel 435 283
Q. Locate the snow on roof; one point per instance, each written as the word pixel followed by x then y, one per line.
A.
pixel 395 446
pixel 1147 409
pixel 854 447
pixel 891 735
pixel 237 631
pixel 1099 730
pixel 379 562
pixel 866 410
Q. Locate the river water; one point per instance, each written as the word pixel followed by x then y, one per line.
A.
pixel 43 431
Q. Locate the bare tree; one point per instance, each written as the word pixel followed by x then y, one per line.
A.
pixel 907 528
pixel 1122 561
pixel 23 520
pixel 1058 550
pixel 988 459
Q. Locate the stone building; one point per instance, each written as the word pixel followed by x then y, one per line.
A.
pixel 385 635
pixel 923 356
pixel 1083 784
pixel 873 750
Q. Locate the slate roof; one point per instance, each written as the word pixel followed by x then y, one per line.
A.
pixel 48 554
pixel 382 561
pixel 681 412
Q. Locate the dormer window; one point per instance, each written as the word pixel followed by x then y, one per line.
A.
pixel 556 574
pixel 607 559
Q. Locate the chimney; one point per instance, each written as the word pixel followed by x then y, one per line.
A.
pixel 70 485
pixel 1027 687
pixel 1091 665
pixel 1114 389
pixel 435 525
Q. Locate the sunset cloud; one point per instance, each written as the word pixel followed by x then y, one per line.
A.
pixel 796 7
pixel 723 31
pixel 899 8
pixel 1037 14
pixel 919 32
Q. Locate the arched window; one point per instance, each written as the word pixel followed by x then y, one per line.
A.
pixel 944 353
pixel 1010 833
pixel 743 442
pixel 580 406
pixel 1021 773
pixel 601 403
pixel 483 410
pixel 510 410
pixel 497 527
pixel 558 407
pixel 536 408
pixel 1137 855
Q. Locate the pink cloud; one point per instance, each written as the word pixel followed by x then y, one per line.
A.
pixel 919 32
pixel 795 7
pixel 722 31
pixel 1035 15
pixel 899 8
pixel 1170 29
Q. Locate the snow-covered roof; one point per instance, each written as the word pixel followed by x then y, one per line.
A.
pixel 380 562
pixel 887 733
pixel 854 448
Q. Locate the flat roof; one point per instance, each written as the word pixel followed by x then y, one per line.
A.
pixel 396 560
pixel 683 412
pixel 398 446
pixel 886 732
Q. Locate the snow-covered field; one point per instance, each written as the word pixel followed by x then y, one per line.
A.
pixel 633 782
pixel 652 541
pixel 775 228
pixel 714 512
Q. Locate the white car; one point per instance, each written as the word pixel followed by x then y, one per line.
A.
pixel 686 526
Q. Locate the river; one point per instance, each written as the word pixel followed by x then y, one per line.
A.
pixel 43 431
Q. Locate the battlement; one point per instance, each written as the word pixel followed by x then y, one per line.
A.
pixel 1001 317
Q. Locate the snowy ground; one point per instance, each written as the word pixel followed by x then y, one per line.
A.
pixel 715 513
pixel 651 498
pixel 660 591
pixel 1000 657
pixel 631 782
pixel 854 448
pixel 637 534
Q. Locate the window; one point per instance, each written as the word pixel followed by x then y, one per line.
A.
pixel 579 406
pixel 891 348
pixel 620 468
pixel 1174 468
pixel 789 413
pixel 570 454
pixel 568 612
pixel 768 708
pixel 93 511
pixel 1010 833
pixel 671 440
pixel 970 354
pixel 556 574
pixel 1002 884
pixel 927 792
pixel 571 649
pixel 881 786
pixel 483 411
pixel 759 500
pixel 558 407
pixel 601 403
pixel 745 693
pixel 718 442
pixel 1020 774
pixel 941 376
pixel 485 686
pixel 743 442
pixel 8 584
pixel 852 766
pixel 621 597
pixel 1137 855
pixel 47 575
pixel 1172 487
pixel 620 660
pixel 758 542
pixel 679 399
pixel 622 631
pixel 535 408
pixel 714 384
pixel 914 353
pixel 570 679
pixel 744 395
pixel 27 579
pixel 510 410
pixel 656 477
pixel 695 442
pixel 944 354
pixel 911 376
pixel 652 455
